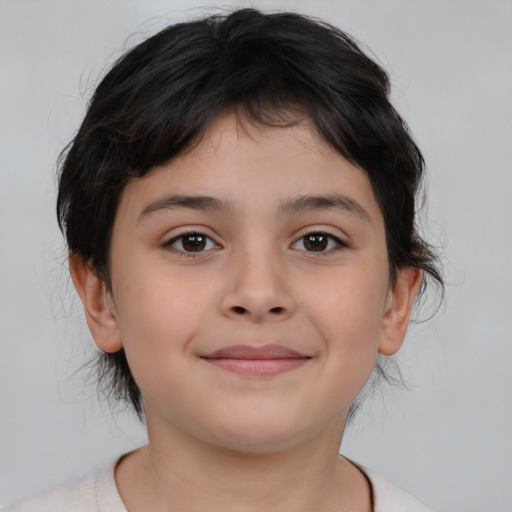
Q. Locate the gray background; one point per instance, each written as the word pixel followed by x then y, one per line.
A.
pixel 448 438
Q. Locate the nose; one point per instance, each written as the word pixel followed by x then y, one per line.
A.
pixel 256 288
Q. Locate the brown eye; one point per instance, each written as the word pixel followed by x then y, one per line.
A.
pixel 318 242
pixel 192 243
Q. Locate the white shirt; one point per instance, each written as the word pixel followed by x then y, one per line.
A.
pixel 97 492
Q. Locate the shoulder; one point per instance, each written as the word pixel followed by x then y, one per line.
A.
pixel 95 492
pixel 389 498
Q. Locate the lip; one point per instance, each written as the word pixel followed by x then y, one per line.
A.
pixel 266 360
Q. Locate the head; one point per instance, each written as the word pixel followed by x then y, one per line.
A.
pixel 275 71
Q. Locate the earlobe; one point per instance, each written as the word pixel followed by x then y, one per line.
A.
pixel 398 309
pixel 98 305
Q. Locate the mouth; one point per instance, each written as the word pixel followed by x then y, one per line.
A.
pixel 267 360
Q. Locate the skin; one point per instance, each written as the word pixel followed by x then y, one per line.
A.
pixel 221 440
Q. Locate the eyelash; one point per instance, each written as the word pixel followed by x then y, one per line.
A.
pixel 340 244
pixel 182 236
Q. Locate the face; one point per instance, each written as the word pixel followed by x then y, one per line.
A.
pixel 251 288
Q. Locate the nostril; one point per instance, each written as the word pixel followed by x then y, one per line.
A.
pixel 240 310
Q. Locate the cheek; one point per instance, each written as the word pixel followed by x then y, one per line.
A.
pixel 349 306
pixel 154 301
pixel 347 312
pixel 157 318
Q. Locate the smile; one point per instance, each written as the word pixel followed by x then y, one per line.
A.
pixel 256 361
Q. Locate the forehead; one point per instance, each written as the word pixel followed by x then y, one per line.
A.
pixel 251 168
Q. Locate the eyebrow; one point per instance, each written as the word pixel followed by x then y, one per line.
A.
pixel 325 202
pixel 178 201
pixel 294 205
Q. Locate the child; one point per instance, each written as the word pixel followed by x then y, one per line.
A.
pixel 239 207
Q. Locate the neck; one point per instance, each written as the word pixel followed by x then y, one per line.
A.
pixel 181 473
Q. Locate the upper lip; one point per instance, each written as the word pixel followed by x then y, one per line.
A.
pixel 251 352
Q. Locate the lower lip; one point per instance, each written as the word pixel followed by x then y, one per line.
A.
pixel 259 367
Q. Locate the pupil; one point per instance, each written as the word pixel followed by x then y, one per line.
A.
pixel 194 243
pixel 316 242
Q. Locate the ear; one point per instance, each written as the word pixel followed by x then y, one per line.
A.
pixel 98 305
pixel 398 309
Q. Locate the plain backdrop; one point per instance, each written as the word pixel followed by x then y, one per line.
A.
pixel 448 438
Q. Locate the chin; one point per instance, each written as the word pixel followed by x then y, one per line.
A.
pixel 261 436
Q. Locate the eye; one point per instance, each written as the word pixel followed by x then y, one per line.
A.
pixel 191 243
pixel 318 242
